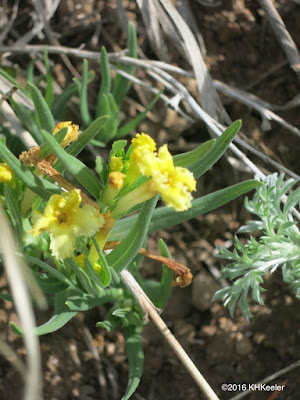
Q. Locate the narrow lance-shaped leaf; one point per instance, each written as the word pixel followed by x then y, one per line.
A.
pixel 121 84
pixel 134 350
pixel 216 152
pixel 44 115
pixel 105 274
pixel 61 316
pixel 86 136
pixel 84 302
pixel 165 217
pixel 190 157
pixel 105 81
pixel 166 278
pixel 49 93
pixel 121 256
pixel 83 95
pixel 14 210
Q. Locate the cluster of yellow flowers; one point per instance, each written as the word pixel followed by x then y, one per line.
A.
pixel 65 218
pixel 175 184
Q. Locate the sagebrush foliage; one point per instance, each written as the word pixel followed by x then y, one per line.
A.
pixel 278 246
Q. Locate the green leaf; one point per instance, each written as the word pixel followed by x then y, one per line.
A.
pixel 14 211
pixel 84 302
pixel 86 136
pixel 49 93
pixel 61 316
pixel 51 271
pixel 165 217
pixel 45 149
pixel 105 81
pixel 38 185
pixel 101 169
pixel 190 157
pixel 84 279
pixel 215 153
pixel 105 274
pixel 167 277
pixel 44 115
pixel 110 108
pixel 116 146
pixel 130 126
pixel 83 95
pixel 121 84
pixel 74 166
pixel 48 284
pixel 292 200
pixel 134 350
pixel 121 256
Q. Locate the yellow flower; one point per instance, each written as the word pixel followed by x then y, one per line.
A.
pixel 6 174
pixel 65 220
pixel 72 133
pixel 143 142
pixel 116 164
pixel 116 180
pixel 173 183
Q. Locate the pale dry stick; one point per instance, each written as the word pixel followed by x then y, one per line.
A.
pixel 150 16
pixel 40 48
pixel 187 14
pixel 282 34
pixel 270 378
pixel 209 97
pixel 20 97
pixel 15 275
pixel 7 95
pixel 151 311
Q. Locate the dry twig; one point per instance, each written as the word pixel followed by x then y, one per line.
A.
pixel 16 278
pixel 151 311
pixel 282 34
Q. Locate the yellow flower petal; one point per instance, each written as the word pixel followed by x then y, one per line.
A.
pixel 116 179
pixel 62 243
pixel 6 174
pixel 116 164
pixel 65 220
pixel 72 133
pixel 145 141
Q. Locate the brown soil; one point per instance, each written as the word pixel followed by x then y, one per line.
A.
pixel 242 51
